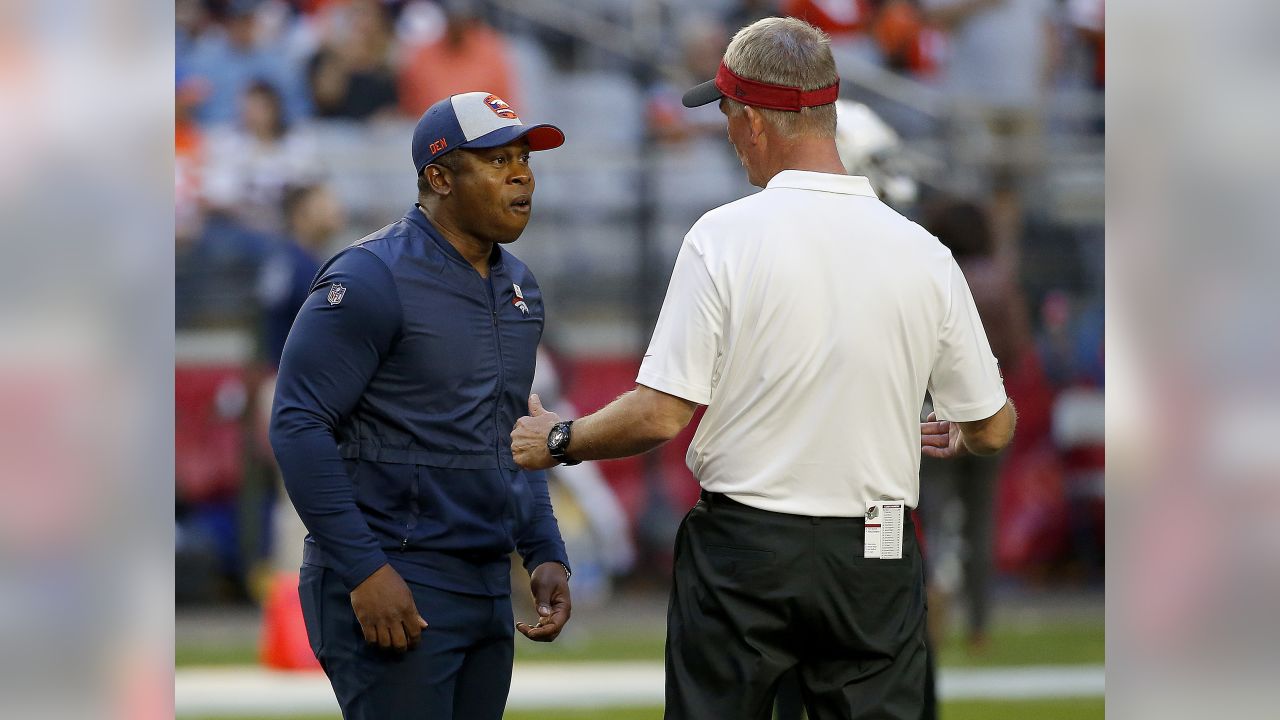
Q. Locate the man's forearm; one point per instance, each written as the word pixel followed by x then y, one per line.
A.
pixel 993 434
pixel 630 425
pixel 320 489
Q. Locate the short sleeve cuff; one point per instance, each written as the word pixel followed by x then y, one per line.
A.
pixel 648 378
pixel 970 412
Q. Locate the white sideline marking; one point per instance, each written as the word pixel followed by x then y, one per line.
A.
pixel 247 691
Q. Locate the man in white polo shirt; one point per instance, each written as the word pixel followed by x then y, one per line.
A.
pixel 810 319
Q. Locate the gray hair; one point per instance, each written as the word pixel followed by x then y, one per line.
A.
pixel 787 51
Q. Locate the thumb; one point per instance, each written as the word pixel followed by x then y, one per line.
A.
pixel 535 405
pixel 422 621
pixel 933 416
pixel 542 601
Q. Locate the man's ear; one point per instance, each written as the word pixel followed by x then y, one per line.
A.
pixel 756 122
pixel 439 179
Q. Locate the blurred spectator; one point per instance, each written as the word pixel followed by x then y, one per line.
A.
pixel 702 42
pixel 188 158
pixel 314 217
pixel 469 56
pixel 1088 18
pixel 965 228
pixel 352 76
pixel 907 43
pixel 996 72
pixel 251 165
pixel 998 49
pixel 962 553
pixel 191 19
pixel 228 57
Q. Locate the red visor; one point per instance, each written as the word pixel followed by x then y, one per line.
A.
pixel 773 97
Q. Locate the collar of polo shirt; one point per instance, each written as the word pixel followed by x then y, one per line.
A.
pixel 823 182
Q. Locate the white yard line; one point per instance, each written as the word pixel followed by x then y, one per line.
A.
pixel 245 691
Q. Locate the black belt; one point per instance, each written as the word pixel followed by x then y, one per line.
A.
pixel 715 499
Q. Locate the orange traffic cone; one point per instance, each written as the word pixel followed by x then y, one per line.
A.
pixel 284 644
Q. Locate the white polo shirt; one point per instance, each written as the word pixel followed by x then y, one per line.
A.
pixel 810 318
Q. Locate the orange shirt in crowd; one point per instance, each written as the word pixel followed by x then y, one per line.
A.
pixel 476 60
pixel 906 41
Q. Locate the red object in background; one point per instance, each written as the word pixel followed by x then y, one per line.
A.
pixel 834 17
pixel 1028 387
pixel 1031 510
pixel 593 382
pixel 904 38
pixel 283 644
pixel 590 384
pixel 209 402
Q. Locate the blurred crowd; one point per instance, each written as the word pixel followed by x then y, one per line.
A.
pixel 980 119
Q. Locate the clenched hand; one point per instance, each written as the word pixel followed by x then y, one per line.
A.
pixel 529 437
pixel 386 611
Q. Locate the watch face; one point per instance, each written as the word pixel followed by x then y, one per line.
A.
pixel 556 439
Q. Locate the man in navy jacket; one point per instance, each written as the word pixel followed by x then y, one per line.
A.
pixel 400 380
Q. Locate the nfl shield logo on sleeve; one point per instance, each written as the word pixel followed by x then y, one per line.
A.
pixel 336 292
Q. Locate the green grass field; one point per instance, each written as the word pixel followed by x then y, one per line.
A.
pixel 1051 644
pixel 1056 644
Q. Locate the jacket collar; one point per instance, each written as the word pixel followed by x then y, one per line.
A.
pixel 419 219
pixel 822 182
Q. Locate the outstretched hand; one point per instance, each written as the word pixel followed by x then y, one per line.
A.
pixel 941 439
pixel 549 584
pixel 529 437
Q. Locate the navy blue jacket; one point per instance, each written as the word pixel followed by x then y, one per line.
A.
pixel 398 388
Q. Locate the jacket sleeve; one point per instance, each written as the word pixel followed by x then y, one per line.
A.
pixel 539 540
pixel 349 323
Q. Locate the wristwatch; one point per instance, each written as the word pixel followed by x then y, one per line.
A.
pixel 558 442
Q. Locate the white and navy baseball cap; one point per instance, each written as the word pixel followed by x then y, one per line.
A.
pixel 475 120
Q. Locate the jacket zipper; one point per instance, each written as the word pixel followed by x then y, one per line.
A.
pixel 413 511
pixel 497 346
pixel 497 404
pixel 497 397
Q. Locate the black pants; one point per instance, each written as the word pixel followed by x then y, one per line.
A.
pixel 758 593
pixel 462 668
